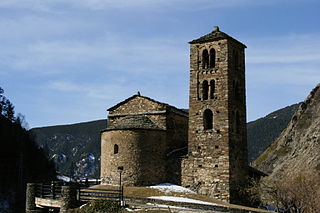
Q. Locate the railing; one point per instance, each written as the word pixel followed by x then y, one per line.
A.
pixel 86 194
pixel 49 190
pixel 53 190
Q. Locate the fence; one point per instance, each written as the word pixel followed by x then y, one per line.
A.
pixel 53 190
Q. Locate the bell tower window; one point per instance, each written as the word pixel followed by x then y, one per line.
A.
pixel 205 59
pixel 212 58
pixel 212 88
pixel 207 119
pixel 205 90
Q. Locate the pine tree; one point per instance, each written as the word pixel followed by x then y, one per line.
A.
pixel 8 110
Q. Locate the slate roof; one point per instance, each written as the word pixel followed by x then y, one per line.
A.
pixel 215 35
pixel 150 99
pixel 134 122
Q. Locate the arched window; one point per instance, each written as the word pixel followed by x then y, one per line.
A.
pixel 212 88
pixel 235 59
pixel 207 119
pixel 236 90
pixel 237 122
pixel 115 149
pixel 205 90
pixel 212 58
pixel 205 59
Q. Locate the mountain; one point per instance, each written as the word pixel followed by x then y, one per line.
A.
pixel 262 132
pixel 298 146
pixel 74 148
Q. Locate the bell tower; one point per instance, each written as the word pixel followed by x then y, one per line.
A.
pixel 217 162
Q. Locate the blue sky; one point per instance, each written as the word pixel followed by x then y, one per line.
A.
pixel 67 61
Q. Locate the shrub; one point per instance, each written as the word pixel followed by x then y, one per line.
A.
pixel 99 206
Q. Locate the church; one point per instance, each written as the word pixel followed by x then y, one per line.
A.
pixel 205 148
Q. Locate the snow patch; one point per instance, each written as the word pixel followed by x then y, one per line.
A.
pixel 169 187
pixel 182 199
pixel 166 206
pixel 64 178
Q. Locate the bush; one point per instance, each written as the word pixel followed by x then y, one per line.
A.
pixel 99 206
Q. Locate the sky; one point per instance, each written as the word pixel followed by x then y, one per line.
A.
pixel 68 61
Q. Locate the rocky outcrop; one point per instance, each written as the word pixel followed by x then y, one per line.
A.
pixel 298 146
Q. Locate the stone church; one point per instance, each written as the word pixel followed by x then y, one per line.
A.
pixel 205 148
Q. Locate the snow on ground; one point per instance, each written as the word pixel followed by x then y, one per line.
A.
pixel 166 206
pixel 168 187
pixel 63 178
pixel 182 199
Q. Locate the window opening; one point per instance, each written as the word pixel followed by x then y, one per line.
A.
pixel 212 88
pixel 205 59
pixel 212 58
pixel 207 119
pixel 205 90
pixel 115 149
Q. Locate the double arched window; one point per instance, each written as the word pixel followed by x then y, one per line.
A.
pixel 208 58
pixel 207 119
pixel 208 90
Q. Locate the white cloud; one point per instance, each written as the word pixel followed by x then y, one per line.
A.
pixel 50 5
pixel 110 52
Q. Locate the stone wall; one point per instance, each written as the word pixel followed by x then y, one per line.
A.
pixel 217 158
pixel 141 153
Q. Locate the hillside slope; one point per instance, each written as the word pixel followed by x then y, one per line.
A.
pixel 299 145
pixel 75 148
pixel 263 131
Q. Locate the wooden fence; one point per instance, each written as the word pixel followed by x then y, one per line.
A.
pixel 53 191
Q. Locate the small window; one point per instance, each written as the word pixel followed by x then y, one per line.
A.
pixel 238 127
pixel 115 149
pixel 212 58
pixel 205 90
pixel 212 88
pixel 205 59
pixel 207 119
pixel 235 59
pixel 236 90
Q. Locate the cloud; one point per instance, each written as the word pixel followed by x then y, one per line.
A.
pixel 108 52
pixel 291 59
pixel 50 5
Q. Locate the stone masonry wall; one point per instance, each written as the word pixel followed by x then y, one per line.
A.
pixel 141 153
pixel 214 165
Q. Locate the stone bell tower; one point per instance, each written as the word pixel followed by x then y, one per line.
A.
pixel 217 162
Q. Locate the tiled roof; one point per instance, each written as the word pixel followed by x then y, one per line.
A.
pixel 215 35
pixel 134 122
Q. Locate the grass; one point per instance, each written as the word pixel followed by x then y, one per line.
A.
pixel 146 192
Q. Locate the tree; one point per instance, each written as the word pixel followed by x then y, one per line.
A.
pixel 21 121
pixel 298 193
pixel 8 110
pixel 1 100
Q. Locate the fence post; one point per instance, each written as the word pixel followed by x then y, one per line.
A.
pixel 68 198
pixel 31 197
pixel 53 190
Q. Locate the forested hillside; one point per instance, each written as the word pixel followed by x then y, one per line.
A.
pixel 262 132
pixel 21 161
pixel 74 148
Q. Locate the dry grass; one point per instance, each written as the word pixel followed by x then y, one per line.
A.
pixel 148 192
